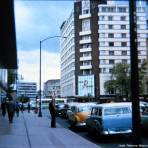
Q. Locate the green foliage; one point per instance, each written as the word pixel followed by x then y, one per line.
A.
pixel 110 86
pixel 142 73
pixel 119 79
pixel 23 99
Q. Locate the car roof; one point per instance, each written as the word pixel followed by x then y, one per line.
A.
pixel 121 104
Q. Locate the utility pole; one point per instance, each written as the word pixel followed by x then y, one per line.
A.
pixel 134 74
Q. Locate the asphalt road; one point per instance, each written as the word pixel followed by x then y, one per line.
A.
pixel 105 142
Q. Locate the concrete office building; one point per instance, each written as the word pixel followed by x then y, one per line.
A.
pixel 101 39
pixel 3 83
pixel 52 87
pixel 67 57
pixel 28 89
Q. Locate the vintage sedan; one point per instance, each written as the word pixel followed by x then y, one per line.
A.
pixel 78 113
pixel 110 118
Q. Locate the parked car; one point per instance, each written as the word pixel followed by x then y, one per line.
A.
pixel 144 115
pixel 61 110
pixel 110 118
pixel 78 113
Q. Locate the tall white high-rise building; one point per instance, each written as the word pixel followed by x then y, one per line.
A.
pixel 67 56
pixel 101 39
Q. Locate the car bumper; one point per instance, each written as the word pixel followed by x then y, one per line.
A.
pixel 112 132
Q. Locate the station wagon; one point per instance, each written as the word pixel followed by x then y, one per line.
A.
pixel 110 118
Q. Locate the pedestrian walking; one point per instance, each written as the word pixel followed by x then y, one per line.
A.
pixel 22 107
pixel 52 113
pixel 10 108
pixel 3 108
pixel 28 107
pixel 17 108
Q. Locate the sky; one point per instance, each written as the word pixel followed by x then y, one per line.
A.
pixel 35 20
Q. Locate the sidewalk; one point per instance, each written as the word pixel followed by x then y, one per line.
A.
pixel 30 131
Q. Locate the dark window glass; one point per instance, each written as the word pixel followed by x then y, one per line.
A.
pixel 111 35
pixel 123 44
pixel 123 26
pixel 111 61
pixel 111 52
pixel 111 44
pixel 124 52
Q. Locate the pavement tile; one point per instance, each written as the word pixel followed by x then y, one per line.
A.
pixel 30 131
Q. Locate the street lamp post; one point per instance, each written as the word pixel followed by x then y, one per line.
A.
pixel 40 74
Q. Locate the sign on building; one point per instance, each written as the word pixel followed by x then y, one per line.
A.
pixel 86 85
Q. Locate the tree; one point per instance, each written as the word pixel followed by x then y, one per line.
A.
pixel 143 77
pixel 119 79
pixel 23 99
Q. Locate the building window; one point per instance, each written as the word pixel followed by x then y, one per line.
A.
pixel 86 45
pixel 138 43
pixel 110 18
pixel 121 9
pixel 111 35
pixel 104 70
pixel 86 25
pixel 123 35
pixel 102 52
pixel 110 26
pixel 86 63
pixel 102 26
pixel 111 52
pixel 123 26
pixel 101 18
pixel 102 43
pixel 124 53
pixel 122 18
pixel 86 54
pixel 104 9
pixel 111 61
pixel 86 37
pixel 86 11
pixel 111 9
pixel 123 44
pixel 124 61
pixel 110 70
pixel 111 44
pixel 87 72
pixel 102 35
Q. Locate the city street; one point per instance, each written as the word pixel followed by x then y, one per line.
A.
pixel 105 142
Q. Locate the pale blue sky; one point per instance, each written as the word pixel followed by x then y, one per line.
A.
pixel 35 20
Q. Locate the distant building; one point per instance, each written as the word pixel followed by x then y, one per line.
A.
pixel 52 87
pixel 3 83
pixel 28 89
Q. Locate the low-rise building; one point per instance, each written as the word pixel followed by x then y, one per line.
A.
pixel 52 87
pixel 27 89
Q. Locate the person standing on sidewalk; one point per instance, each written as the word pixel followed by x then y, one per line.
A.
pixel 17 108
pixel 22 107
pixel 53 113
pixel 28 107
pixel 10 108
pixel 3 107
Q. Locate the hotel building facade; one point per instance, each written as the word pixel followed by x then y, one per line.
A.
pixel 99 39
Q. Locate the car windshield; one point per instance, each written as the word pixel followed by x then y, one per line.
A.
pixel 84 108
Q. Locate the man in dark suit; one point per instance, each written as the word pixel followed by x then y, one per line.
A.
pixel 53 113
